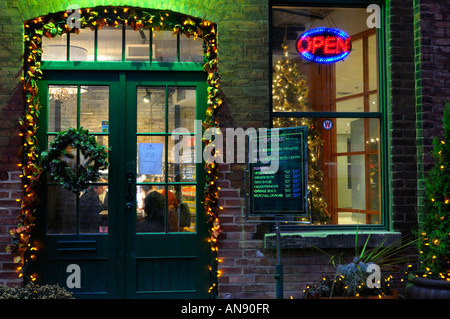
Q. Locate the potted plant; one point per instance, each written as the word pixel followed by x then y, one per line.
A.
pixel 358 278
pixel 432 280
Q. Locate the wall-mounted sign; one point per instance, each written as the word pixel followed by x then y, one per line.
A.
pixel 324 45
pixel 284 191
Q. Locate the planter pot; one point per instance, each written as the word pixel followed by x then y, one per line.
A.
pixel 424 288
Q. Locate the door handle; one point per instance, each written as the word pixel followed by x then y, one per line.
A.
pixel 130 178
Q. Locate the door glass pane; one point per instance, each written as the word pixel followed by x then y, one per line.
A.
pixel 182 159
pixel 186 196
pixel 54 49
pixel 150 216
pixel 155 213
pixel 94 108
pixel 82 45
pixel 151 103
pixel 181 107
pixel 61 211
pixel 151 159
pixel 62 107
pixel 137 44
pixel 109 44
pixel 191 49
pixel 165 46
pixel 94 209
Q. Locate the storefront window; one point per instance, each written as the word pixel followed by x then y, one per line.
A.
pixel 339 103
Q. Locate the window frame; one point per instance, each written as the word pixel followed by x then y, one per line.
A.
pixel 382 114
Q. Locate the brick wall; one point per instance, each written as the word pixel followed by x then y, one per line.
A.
pixel 432 55
pixel 401 110
pixel 11 109
pixel 10 186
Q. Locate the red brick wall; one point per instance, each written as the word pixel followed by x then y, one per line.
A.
pixel 10 190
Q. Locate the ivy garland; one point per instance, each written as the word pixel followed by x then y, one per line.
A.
pixel 54 25
pixel 75 179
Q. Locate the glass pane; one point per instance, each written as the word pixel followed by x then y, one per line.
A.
pixel 103 140
pixel 186 196
pixel 165 46
pixel 373 62
pixel 191 49
pixel 61 211
pixel 350 135
pixel 182 159
pixel 137 44
pixel 94 209
pixel 82 45
pixel 62 107
pixel 349 73
pixel 94 108
pixel 109 44
pixel 373 103
pixel 151 209
pixel 152 215
pixel 181 105
pixel 151 103
pixel 151 159
pixel 373 142
pixel 54 49
pixel 351 105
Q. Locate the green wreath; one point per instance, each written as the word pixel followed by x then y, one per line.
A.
pixel 76 176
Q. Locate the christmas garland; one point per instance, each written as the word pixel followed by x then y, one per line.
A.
pixel 78 178
pixel 54 25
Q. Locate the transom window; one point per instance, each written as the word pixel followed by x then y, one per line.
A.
pixel 122 43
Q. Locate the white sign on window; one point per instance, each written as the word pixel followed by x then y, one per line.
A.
pixel 150 158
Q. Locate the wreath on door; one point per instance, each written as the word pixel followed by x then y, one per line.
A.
pixel 60 160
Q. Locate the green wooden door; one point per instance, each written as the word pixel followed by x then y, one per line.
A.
pixel 149 238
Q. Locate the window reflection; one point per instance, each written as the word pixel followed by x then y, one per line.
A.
pixel 137 44
pixel 94 109
pixel 82 45
pixel 109 46
pixel 191 49
pixel 181 107
pixel 54 49
pixel 62 107
pixel 165 46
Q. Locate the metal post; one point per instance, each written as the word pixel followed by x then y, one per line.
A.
pixel 279 266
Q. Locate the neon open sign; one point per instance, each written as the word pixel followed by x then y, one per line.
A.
pixel 324 45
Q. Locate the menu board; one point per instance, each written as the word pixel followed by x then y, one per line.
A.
pixel 279 188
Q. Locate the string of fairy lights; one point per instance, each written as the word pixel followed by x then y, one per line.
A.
pixel 23 249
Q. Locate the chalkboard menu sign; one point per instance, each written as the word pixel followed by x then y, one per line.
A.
pixel 278 177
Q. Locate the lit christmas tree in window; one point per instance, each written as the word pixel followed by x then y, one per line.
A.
pixel 290 94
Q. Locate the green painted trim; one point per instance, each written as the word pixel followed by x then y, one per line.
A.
pixel 121 66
